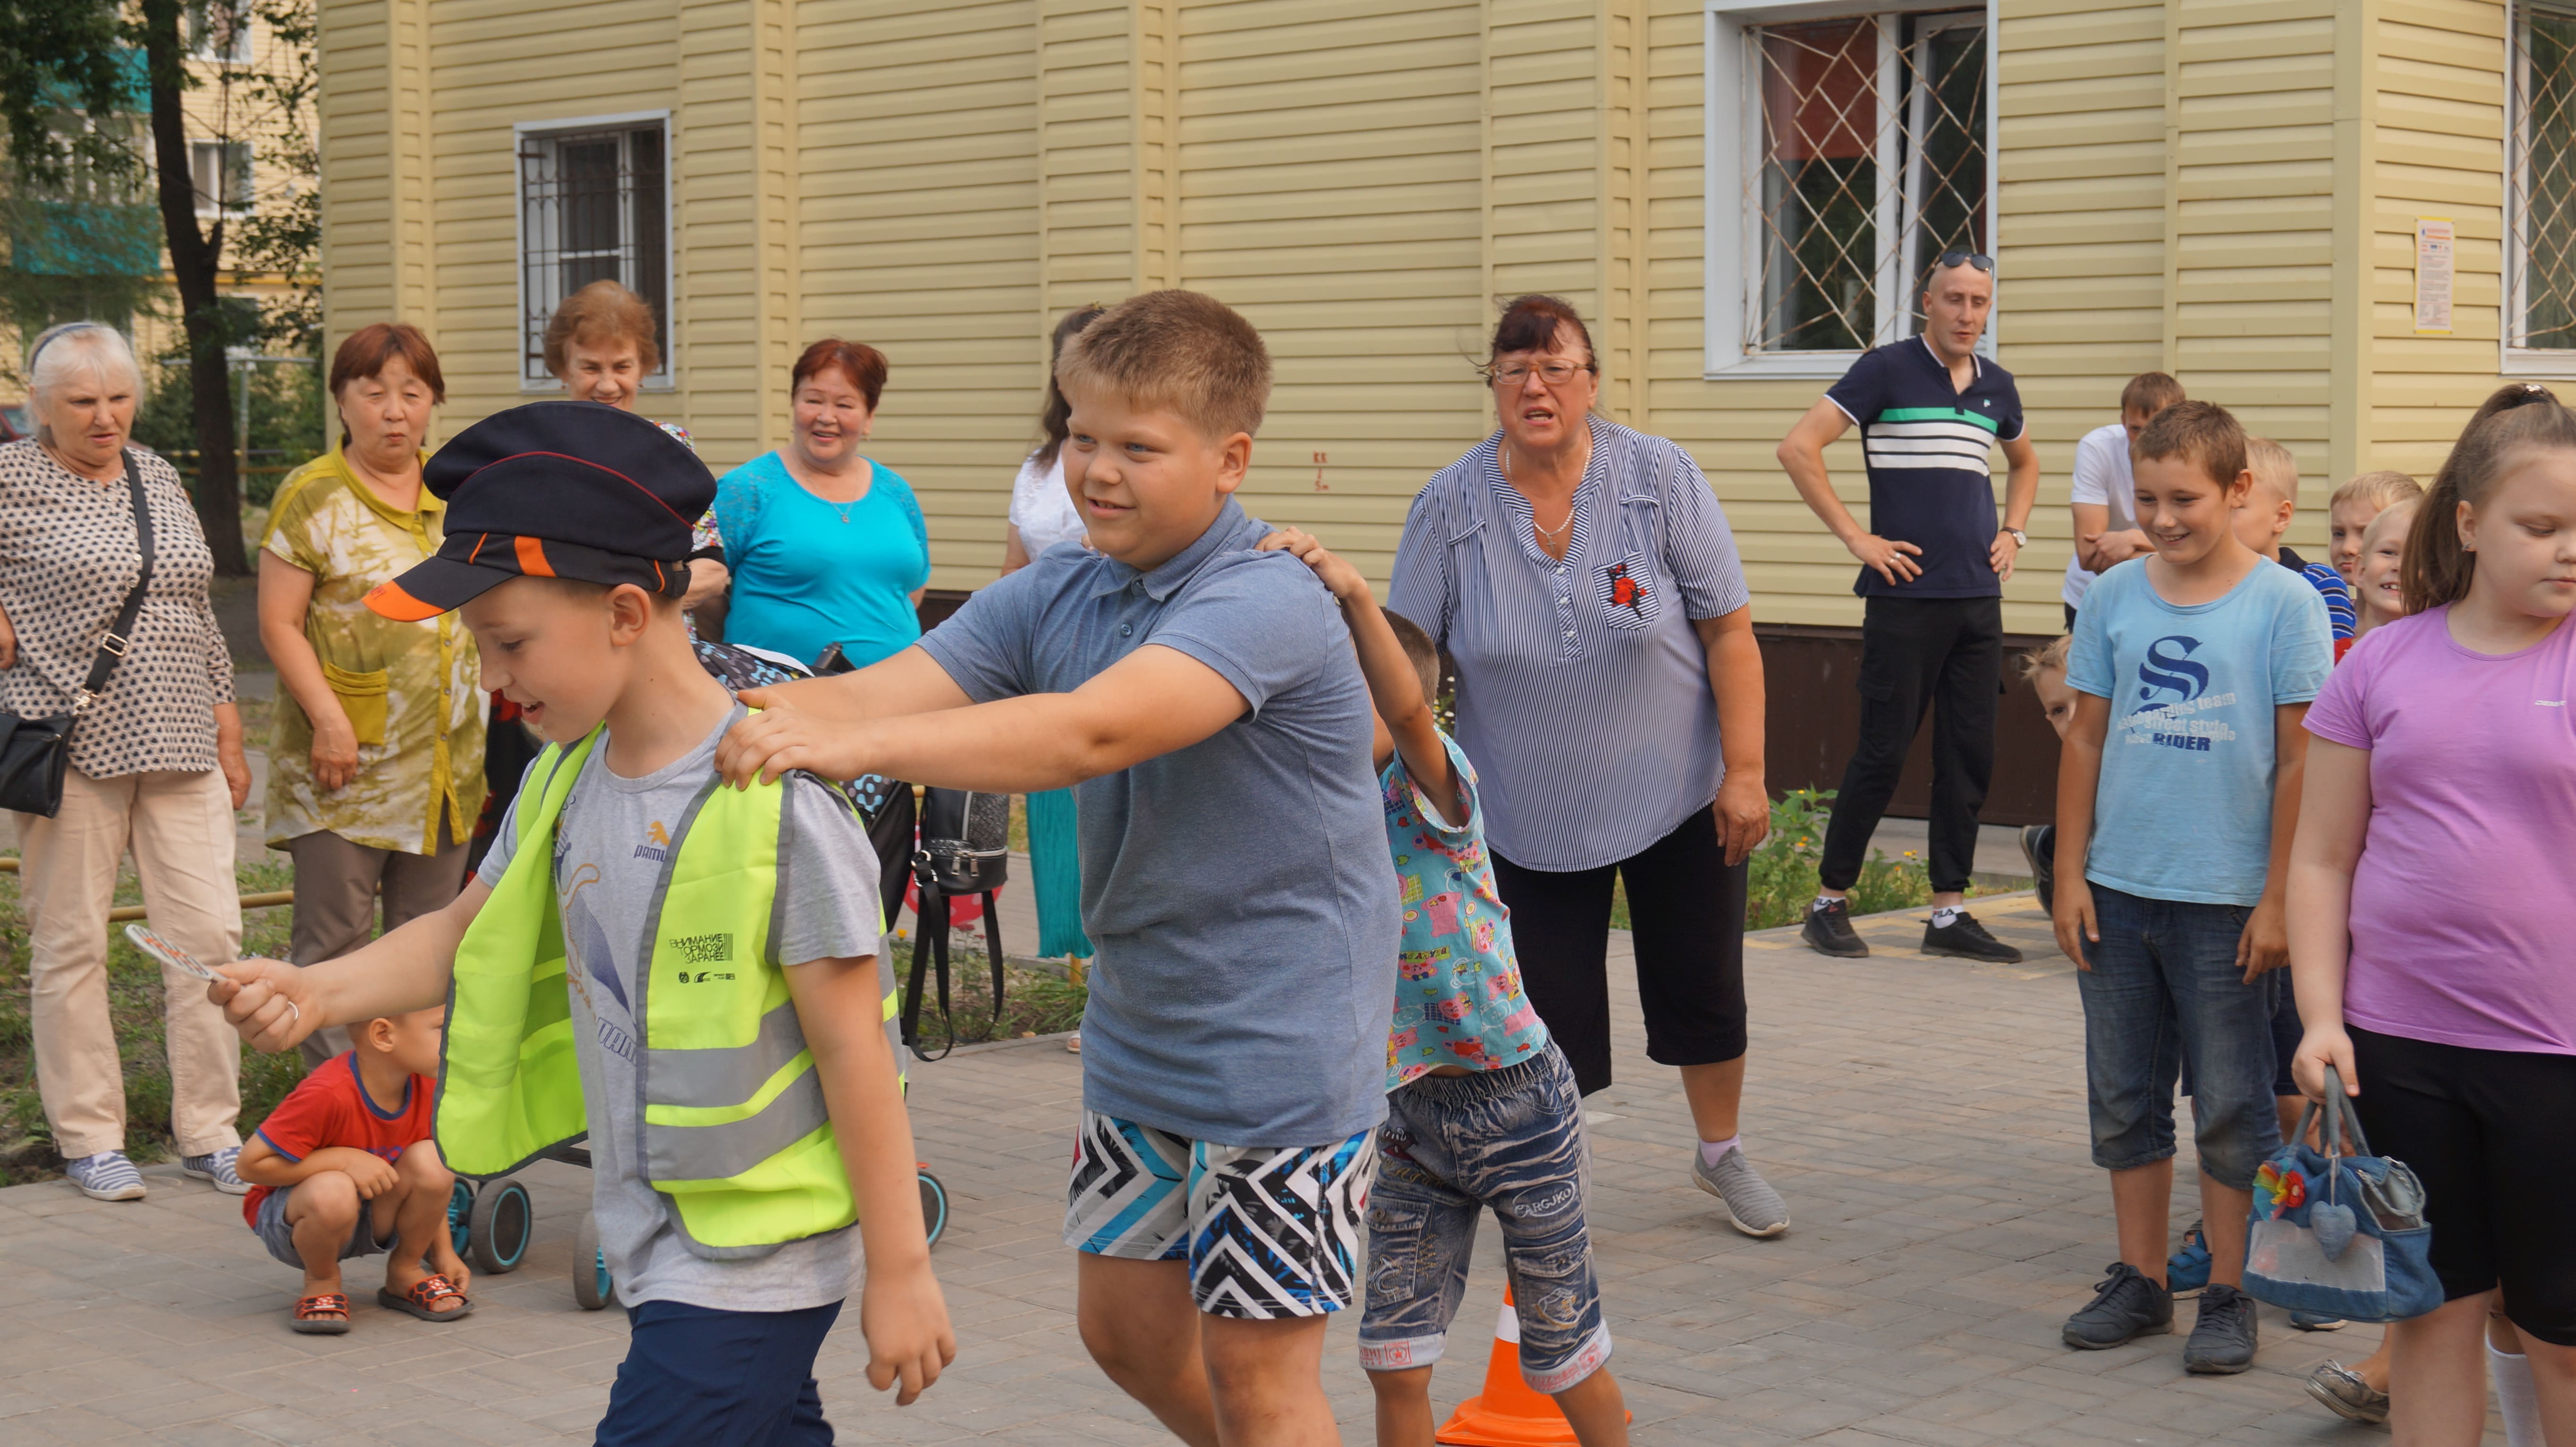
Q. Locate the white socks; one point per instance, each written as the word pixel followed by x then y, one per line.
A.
pixel 1944 918
pixel 2517 1400
pixel 1711 1152
pixel 1822 902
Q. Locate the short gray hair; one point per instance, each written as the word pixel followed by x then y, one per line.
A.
pixel 79 349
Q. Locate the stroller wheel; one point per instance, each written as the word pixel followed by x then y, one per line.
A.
pixel 590 1284
pixel 460 1215
pixel 500 1224
pixel 934 1206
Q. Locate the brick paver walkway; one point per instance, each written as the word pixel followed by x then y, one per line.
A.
pixel 1924 1118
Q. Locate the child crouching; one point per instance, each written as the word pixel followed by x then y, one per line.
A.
pixel 1482 1109
pixel 345 1168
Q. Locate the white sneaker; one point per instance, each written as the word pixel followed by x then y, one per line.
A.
pixel 107 1176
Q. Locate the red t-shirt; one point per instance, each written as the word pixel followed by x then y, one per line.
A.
pixel 330 1108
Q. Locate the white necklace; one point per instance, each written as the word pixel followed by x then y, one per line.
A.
pixel 1503 454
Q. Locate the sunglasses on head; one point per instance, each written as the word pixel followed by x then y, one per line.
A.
pixel 1977 259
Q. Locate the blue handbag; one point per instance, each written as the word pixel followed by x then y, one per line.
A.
pixel 2340 1233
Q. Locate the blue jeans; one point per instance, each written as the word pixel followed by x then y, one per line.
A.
pixel 2165 987
pixel 698 1377
pixel 1453 1145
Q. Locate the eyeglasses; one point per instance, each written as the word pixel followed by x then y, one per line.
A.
pixel 1977 259
pixel 1556 372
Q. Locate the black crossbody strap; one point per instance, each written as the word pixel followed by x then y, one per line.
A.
pixel 120 634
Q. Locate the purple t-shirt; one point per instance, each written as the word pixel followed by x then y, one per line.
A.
pixel 2464 899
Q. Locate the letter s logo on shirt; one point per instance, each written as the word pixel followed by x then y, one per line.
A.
pixel 2172 671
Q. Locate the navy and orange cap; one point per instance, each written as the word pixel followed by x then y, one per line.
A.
pixel 556 489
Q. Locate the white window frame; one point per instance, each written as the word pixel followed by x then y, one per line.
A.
pixel 217 203
pixel 197 18
pixel 2512 361
pixel 1731 133
pixel 665 379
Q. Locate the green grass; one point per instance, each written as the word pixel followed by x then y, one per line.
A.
pixel 1034 1002
pixel 1783 879
pixel 134 1007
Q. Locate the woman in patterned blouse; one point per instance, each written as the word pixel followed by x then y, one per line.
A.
pixel 375 777
pixel 156 760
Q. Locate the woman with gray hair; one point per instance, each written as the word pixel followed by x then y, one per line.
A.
pixel 156 756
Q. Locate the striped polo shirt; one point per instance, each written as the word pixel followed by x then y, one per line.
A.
pixel 1930 450
pixel 1583 692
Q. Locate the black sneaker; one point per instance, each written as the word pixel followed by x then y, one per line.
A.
pixel 2125 1306
pixel 2222 1341
pixel 2039 846
pixel 1964 938
pixel 1828 931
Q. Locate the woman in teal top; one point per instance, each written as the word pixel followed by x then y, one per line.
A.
pixel 826 546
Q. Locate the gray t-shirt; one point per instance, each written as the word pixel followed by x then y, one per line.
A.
pixel 1239 889
pixel 609 848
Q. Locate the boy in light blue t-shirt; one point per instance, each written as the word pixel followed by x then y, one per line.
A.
pixel 2193 669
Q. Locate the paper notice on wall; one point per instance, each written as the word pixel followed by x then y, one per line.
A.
pixel 2433 273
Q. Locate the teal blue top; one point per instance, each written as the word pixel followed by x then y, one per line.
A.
pixel 809 573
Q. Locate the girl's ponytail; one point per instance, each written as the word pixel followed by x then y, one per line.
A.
pixel 2437 569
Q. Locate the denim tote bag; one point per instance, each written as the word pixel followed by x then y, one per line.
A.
pixel 2340 1233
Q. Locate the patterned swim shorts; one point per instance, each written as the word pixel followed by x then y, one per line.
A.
pixel 1268 1232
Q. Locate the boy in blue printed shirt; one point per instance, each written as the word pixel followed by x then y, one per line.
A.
pixel 2193 669
pixel 1483 1109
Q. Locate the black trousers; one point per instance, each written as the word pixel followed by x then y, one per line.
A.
pixel 1942 654
pixel 1687 906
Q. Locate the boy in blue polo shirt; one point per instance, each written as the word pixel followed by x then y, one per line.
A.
pixel 1930 413
pixel 1203 698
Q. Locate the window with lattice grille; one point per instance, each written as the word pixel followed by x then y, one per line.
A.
pixel 1865 157
pixel 2540 258
pixel 594 205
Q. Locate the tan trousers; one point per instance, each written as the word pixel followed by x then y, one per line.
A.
pixel 336 884
pixel 180 826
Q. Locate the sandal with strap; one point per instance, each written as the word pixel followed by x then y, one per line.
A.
pixel 423 1298
pixel 322 1314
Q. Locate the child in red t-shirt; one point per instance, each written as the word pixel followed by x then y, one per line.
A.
pixel 345 1167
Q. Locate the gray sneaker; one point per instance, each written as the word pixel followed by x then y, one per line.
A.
pixel 1752 1207
pixel 2341 1391
pixel 2124 1307
pixel 107 1176
pixel 2222 1341
pixel 215 1168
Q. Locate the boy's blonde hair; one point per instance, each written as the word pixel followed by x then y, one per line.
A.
pixel 2382 490
pixel 2273 468
pixel 1183 351
pixel 2052 654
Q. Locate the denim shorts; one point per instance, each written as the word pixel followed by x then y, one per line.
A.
pixel 2165 987
pixel 1453 1145
pixel 279 1237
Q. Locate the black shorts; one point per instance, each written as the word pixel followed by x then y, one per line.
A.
pixel 2492 1135
pixel 1687 908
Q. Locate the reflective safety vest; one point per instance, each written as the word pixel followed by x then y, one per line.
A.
pixel 735 1135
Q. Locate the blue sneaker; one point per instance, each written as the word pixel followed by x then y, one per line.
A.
pixel 215 1168
pixel 2187 1270
pixel 107 1176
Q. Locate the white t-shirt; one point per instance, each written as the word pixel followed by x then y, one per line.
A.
pixel 1041 509
pixel 2102 479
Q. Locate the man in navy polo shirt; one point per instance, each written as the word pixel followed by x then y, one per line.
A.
pixel 1930 412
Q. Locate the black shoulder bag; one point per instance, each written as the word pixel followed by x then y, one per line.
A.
pixel 965 849
pixel 36 752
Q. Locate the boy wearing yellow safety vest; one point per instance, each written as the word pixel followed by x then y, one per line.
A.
pixel 1202 698
pixel 686 972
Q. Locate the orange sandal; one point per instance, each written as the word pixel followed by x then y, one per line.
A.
pixel 423 1298
pixel 323 1314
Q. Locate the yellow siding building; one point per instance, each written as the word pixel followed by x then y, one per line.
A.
pixel 2229 190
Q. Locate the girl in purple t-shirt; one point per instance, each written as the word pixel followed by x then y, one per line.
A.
pixel 2432 902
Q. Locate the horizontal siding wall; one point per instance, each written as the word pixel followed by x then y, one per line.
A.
pixel 353 54
pixel 1328 177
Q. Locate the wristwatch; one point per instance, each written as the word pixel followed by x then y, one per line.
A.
pixel 2020 539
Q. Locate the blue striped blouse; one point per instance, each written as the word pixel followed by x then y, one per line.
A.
pixel 1583 691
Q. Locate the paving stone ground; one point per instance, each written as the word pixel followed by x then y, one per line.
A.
pixel 1925 1119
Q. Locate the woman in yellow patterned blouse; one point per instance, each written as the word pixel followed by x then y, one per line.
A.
pixel 375 774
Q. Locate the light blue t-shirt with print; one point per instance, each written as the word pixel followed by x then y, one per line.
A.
pixel 1458 997
pixel 2184 810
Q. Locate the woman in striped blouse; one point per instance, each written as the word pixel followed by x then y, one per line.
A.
pixel 1609 690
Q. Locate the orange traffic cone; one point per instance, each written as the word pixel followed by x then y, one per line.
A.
pixel 1507 1413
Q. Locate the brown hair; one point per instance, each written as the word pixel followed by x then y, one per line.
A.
pixel 1419 651
pixel 2437 569
pixel 600 312
pixel 1530 324
pixel 864 365
pixel 1181 350
pixel 365 352
pixel 2273 467
pixel 1055 419
pixel 2201 433
pixel 2149 392
pixel 2052 654
pixel 2382 490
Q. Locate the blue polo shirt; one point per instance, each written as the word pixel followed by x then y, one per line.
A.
pixel 1930 451
pixel 1239 890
